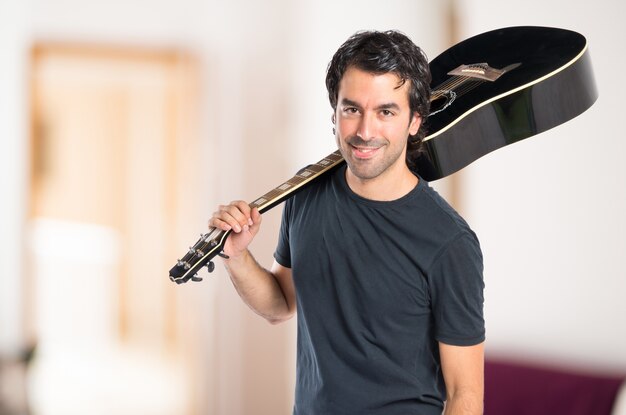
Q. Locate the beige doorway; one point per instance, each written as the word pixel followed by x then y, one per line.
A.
pixel 107 128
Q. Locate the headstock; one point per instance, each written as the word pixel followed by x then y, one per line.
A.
pixel 199 255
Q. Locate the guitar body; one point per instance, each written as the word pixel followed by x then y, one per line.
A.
pixel 488 91
pixel 551 83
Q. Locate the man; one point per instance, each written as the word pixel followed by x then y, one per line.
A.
pixel 385 277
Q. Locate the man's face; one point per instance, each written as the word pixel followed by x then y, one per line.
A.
pixel 373 121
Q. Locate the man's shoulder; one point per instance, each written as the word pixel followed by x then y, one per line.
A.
pixel 437 209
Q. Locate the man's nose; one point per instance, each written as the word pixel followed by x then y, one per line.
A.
pixel 367 126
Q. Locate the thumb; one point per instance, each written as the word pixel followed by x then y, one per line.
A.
pixel 256 221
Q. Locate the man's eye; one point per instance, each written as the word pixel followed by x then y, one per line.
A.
pixel 351 110
pixel 387 113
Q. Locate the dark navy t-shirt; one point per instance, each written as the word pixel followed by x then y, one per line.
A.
pixel 378 285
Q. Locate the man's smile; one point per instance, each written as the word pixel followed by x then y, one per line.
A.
pixel 361 152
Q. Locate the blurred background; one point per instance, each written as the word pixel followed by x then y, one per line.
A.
pixel 124 123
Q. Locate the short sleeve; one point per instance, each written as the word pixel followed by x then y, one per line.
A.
pixel 283 250
pixel 456 288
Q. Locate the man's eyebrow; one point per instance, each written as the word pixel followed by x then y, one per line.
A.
pixel 345 102
pixel 388 106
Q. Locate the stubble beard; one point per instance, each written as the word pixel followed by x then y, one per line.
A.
pixel 367 169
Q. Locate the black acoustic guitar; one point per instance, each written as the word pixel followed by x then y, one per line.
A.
pixel 488 91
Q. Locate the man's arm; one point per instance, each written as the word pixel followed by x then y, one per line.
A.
pixel 463 370
pixel 270 294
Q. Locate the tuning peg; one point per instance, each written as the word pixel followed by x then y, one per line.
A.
pixel 183 264
pixel 195 278
pixel 210 266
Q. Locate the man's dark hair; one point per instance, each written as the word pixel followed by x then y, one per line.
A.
pixel 380 53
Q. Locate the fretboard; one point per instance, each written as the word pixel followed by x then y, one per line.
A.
pixel 304 176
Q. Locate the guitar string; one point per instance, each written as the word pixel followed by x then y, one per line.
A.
pixel 451 83
pixel 465 85
pixel 470 86
pixel 445 87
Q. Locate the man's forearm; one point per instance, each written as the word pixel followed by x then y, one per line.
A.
pixel 464 404
pixel 258 288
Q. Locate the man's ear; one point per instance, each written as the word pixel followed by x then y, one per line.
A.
pixel 416 121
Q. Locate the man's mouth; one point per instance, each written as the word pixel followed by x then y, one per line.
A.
pixel 364 152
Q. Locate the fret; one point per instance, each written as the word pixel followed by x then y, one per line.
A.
pixel 259 202
pixel 315 168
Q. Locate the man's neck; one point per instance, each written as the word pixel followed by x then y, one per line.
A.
pixel 390 185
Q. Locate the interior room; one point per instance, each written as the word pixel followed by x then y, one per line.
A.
pixel 123 125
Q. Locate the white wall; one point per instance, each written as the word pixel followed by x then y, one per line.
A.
pixel 550 210
pixel 13 150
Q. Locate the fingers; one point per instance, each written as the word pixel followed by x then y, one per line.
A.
pixel 236 216
pixel 255 215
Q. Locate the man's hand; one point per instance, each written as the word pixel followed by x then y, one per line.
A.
pixel 242 220
pixel 271 294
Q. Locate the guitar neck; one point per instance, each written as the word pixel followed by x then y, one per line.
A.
pixel 304 176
